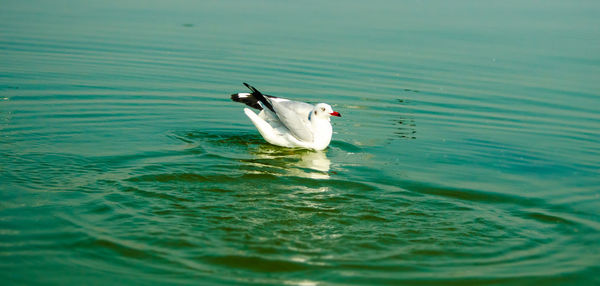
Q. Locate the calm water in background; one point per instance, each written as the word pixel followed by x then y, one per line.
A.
pixel 468 150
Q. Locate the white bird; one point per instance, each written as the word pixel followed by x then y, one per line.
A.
pixel 289 123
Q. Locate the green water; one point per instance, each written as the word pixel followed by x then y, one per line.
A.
pixel 468 151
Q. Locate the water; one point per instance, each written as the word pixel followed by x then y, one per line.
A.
pixel 468 150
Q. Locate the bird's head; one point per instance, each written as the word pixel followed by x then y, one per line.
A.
pixel 324 110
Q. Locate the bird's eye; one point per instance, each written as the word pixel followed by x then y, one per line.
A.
pixel 322 108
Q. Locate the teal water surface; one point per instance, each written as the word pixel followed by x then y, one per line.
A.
pixel 468 151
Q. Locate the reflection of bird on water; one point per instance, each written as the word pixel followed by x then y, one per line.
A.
pixel 295 162
pixel 277 160
pixel 315 160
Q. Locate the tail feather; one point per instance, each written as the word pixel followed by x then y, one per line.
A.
pixel 258 95
pixel 247 99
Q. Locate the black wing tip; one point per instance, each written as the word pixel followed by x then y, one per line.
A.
pixel 260 97
pixel 251 88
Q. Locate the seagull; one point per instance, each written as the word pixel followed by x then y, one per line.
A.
pixel 288 123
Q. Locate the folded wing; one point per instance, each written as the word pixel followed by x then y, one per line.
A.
pixel 294 115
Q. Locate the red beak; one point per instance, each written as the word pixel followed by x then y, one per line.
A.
pixel 335 113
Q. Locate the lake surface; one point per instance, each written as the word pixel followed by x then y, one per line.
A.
pixel 468 151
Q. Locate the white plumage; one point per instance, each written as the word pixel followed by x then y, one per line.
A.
pixel 289 123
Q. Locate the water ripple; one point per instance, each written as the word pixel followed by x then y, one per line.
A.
pixel 466 155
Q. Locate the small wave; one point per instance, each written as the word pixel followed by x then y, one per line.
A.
pixel 257 264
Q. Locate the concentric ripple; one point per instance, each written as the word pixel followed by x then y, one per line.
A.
pixel 468 152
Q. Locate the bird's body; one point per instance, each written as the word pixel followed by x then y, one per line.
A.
pixel 289 123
